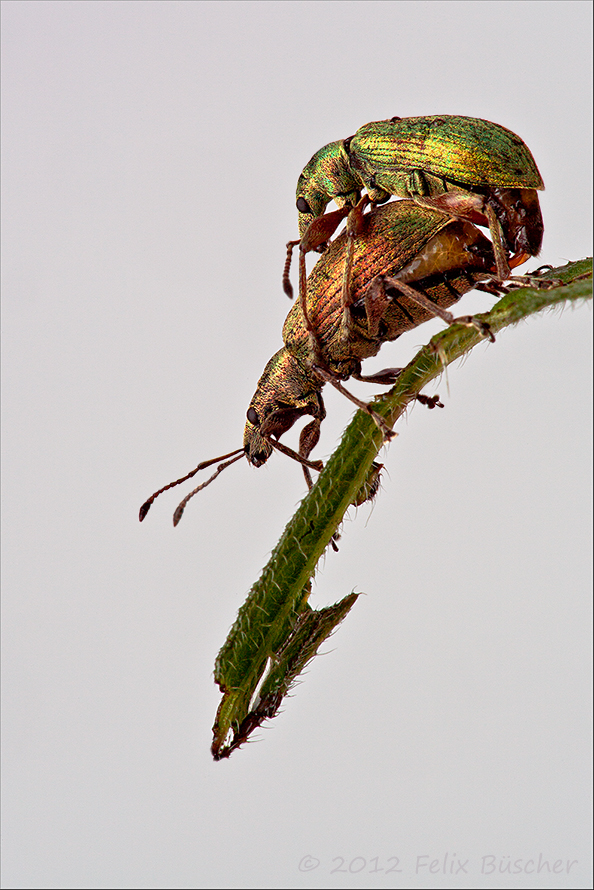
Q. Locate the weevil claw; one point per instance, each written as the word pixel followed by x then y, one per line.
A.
pixel 482 327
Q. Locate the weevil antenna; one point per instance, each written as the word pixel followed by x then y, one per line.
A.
pixel 207 463
pixel 287 286
pixel 181 507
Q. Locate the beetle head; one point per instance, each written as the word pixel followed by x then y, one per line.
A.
pixel 285 393
pixel 326 177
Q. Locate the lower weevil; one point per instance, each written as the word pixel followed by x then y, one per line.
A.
pixel 410 265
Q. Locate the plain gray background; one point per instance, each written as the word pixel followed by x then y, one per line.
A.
pixel 151 153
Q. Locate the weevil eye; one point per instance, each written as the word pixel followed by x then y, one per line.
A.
pixel 303 206
pixel 252 416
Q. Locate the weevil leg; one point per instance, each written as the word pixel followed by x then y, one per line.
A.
pixel 335 382
pixel 284 449
pixel 376 303
pixel 389 376
pixel 419 298
pixel 315 344
pixel 316 236
pixel 385 377
pixel 354 227
pixel 319 231
pixel 309 438
pixel 499 248
pixel 534 281
pixel 505 265
pixel 492 286
pixel 429 401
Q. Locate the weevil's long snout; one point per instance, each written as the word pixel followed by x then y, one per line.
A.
pixel 518 211
pixel 278 419
pixel 286 392
pixel 256 447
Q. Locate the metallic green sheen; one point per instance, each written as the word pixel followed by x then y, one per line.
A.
pixel 395 235
pixel 467 150
pixel 284 381
pixel 398 236
pixel 327 176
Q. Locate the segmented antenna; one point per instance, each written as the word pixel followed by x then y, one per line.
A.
pixel 181 507
pixel 207 463
pixel 287 286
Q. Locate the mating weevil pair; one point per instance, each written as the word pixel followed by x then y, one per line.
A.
pixel 410 263
pixel 467 168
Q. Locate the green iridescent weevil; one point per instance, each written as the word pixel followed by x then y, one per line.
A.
pixel 410 264
pixel 467 168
